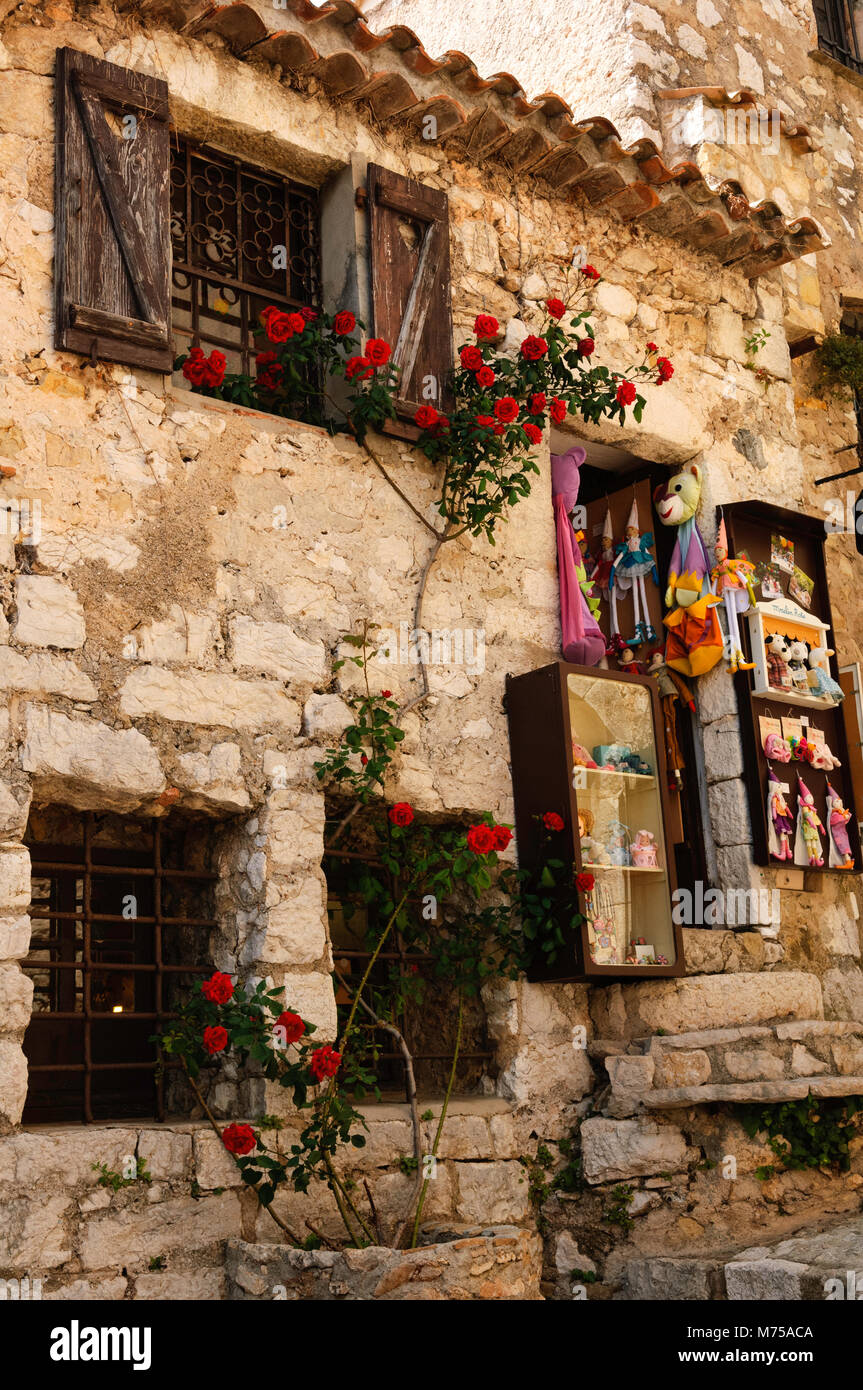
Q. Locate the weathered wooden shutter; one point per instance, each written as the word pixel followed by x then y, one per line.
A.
pixel 409 234
pixel 112 172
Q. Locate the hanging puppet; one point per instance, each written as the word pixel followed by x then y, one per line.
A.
pixel 633 560
pixel 780 822
pixel 808 851
pixel 581 638
pixel 732 581
pixel 841 855
pixel 672 688
pixel 694 636
pixel 598 566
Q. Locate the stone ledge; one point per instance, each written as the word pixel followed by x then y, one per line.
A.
pixel 748 1091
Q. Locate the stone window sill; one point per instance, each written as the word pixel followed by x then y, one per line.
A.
pixel 276 424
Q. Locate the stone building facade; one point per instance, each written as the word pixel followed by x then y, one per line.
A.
pixel 166 646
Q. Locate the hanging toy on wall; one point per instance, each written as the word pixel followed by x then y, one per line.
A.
pixel 672 689
pixel 732 581
pixel 598 566
pixel 841 856
pixel 780 822
pixel 582 641
pixel 694 636
pixel 633 560
pixel 808 850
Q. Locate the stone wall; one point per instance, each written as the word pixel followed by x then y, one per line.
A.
pixel 174 629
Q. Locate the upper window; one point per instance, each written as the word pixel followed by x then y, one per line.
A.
pixel 241 238
pixel 838 32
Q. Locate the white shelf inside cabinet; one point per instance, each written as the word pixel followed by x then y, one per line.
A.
pixel 624 868
pixel 794 697
pixel 612 776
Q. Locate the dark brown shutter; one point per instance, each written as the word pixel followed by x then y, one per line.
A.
pixel 112 263
pixel 409 234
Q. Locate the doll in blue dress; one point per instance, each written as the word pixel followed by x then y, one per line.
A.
pixel 821 683
pixel 633 560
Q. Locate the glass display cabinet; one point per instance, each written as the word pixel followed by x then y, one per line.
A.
pixel 587 746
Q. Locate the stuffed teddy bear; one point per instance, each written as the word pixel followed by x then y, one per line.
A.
pixel 798 655
pixel 778 672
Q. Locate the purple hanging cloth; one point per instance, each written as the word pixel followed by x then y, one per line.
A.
pixel 581 638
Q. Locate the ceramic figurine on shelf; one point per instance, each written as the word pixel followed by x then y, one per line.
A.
pixel 633 560
pixel 798 655
pixel 808 850
pixel 592 852
pixel 778 672
pixel 821 683
pixel 777 748
pixel 694 636
pixel 581 638
pixel 618 845
pixel 841 856
pixel 644 850
pixel 732 581
pixel 780 822
pixel 580 756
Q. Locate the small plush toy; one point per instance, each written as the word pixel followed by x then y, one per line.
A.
pixel 823 758
pixel 798 654
pixel 628 662
pixel 841 856
pixel 732 581
pixel 592 852
pixel 780 822
pixel 808 850
pixel 694 635
pixel 821 683
pixel 599 565
pixel 644 850
pixel 777 748
pixel 580 756
pixel 801 749
pixel 778 672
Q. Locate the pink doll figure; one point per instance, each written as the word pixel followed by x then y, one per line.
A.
pixel 732 582
pixel 808 851
pixel 644 850
pixel 841 856
pixel 780 822
pixel 581 639
pixel 633 560
pixel 599 566
pixel 777 748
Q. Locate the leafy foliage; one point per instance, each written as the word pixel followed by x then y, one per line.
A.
pixel 839 361
pixel 809 1133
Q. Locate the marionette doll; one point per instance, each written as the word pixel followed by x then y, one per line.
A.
pixel 808 850
pixel 672 688
pixel 598 566
pixel 780 822
pixel 732 582
pixel 841 856
pixel 581 638
pixel 633 560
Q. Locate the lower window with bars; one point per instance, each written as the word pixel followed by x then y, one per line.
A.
pixel 403 989
pixel 122 914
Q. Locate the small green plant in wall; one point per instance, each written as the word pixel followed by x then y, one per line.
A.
pixel 839 363
pixel 134 1171
pixel 753 344
pixel 808 1133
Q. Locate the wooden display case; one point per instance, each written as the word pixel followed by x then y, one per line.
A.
pixel 628 931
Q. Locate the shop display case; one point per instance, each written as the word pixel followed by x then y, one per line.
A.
pixel 587 746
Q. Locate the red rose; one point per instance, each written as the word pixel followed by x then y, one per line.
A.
pixel 502 836
pixel 195 367
pixel 586 347
pixel 378 351
pixel 471 358
pixel 344 323
pixel 269 370
pixel 364 760
pixel 386 694
pixel 584 883
pixel 425 417
pixel 309 315
pixel 556 308
pixel 557 410
pixel 402 813
pixel 359 367
pixel 626 393
pixel 533 432
pixel 485 376
pixel 292 1024
pixel 239 1139
pixel 486 422
pixel 666 371
pixel 297 322
pixel 533 348
pixel 486 326
pixel 215 372
pixel 325 1061
pixel 589 272
pixel 441 425
pixel 266 314
pixel 552 821
pixel 480 838
pixel 218 989
pixel 215 1039
pixel 278 326
pixel 537 403
pixel 506 409
pixel 651 347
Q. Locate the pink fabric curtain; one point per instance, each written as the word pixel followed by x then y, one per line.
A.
pixel 582 641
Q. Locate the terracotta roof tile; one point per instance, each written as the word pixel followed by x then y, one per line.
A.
pixel 493 118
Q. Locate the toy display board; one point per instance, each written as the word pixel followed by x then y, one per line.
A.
pixel 616 507
pixel 795 749
pixel 588 745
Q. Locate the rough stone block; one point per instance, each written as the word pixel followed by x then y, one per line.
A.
pixel 757 1065
pixel 214 1166
pixel 720 1001
pixel 312 997
pixel 84 763
pixel 274 649
pixel 723 752
pixel 49 614
pixel 183 1223
pixel 165 1153
pixel 45 674
pixel 764 1281
pixel 14 877
pixel 200 1285
pixel 209 698
pixel 14 937
pixel 616 1149
pixel 13 1084
pixel 33 1236
pixel 682 1068
pixel 296 931
pixel 662 1280
pixel 489 1192
pixel 295 831
pixel 16 995
pixel 214 780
